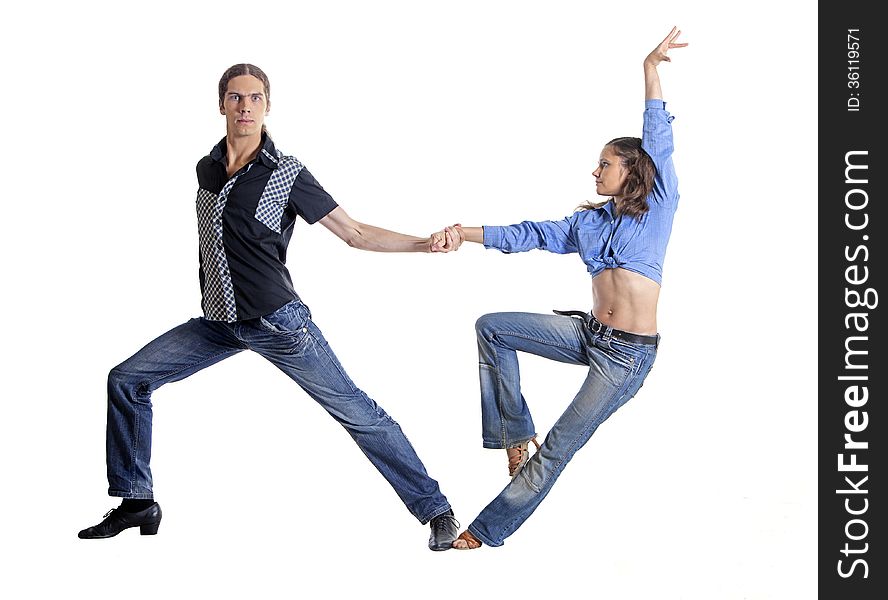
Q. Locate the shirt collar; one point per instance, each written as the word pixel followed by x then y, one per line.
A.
pixel 609 208
pixel 267 154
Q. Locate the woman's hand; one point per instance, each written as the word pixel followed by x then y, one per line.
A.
pixel 658 54
pixel 446 240
pixel 651 78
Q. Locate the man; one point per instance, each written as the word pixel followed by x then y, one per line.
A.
pixel 249 197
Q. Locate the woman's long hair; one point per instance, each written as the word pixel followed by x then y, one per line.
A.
pixel 639 182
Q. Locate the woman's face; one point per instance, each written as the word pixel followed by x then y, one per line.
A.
pixel 244 106
pixel 610 176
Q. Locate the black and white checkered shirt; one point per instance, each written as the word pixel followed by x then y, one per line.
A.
pixel 245 224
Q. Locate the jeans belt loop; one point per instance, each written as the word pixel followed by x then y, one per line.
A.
pixel 597 327
pixel 608 333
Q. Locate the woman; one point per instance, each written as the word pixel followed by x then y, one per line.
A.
pixel 250 195
pixel 622 241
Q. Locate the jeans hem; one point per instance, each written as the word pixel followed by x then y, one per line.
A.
pixel 435 513
pixel 484 539
pixel 500 445
pixel 130 495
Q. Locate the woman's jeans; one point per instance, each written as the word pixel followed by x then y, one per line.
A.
pixel 616 371
pixel 291 341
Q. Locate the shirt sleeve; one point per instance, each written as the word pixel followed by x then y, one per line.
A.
pixel 311 201
pixel 210 176
pixel 656 139
pixel 554 236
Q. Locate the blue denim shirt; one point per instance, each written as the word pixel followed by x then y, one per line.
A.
pixel 602 239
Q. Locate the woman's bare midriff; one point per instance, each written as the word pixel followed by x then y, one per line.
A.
pixel 625 300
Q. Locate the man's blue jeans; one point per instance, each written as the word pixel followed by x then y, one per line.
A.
pixel 616 372
pixel 291 341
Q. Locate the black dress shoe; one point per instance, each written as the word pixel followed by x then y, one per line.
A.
pixel 445 528
pixel 116 520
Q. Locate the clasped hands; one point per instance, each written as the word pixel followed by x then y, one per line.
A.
pixel 448 239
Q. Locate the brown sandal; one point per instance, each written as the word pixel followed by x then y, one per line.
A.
pixel 519 455
pixel 466 541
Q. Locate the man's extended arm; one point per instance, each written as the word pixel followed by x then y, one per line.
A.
pixel 369 237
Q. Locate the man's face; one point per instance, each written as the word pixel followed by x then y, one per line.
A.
pixel 244 106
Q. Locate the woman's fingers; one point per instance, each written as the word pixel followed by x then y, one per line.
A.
pixel 446 240
pixel 454 239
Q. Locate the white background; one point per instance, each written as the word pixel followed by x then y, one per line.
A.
pixel 412 115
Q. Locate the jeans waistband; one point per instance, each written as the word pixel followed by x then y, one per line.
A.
pixel 596 326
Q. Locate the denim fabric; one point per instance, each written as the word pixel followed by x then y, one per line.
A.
pixel 617 370
pixel 291 341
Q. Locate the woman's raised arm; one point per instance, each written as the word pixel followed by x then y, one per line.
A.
pixel 651 77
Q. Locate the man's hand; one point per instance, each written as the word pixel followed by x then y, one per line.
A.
pixel 448 239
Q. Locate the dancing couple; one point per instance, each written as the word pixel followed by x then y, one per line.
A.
pixel 249 197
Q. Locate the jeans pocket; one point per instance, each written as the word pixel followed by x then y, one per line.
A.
pixel 622 353
pixel 290 319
